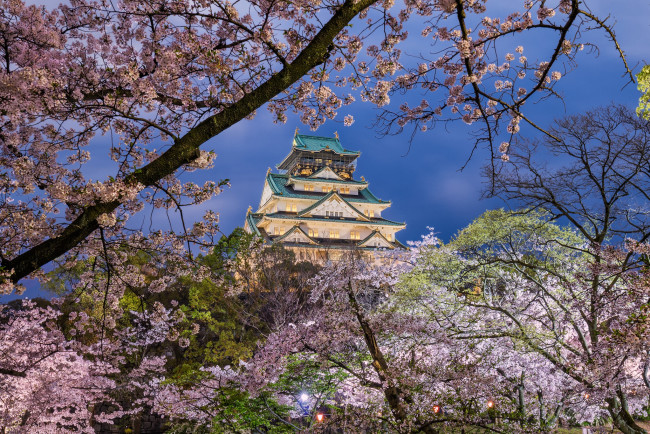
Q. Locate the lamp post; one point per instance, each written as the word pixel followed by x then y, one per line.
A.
pixel 303 402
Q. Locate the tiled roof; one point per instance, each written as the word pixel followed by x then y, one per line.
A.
pixel 252 220
pixel 315 144
pixel 278 184
pixel 372 221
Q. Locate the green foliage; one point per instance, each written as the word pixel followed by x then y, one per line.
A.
pixel 222 338
pixel 236 411
pixel 241 413
pixel 497 240
pixel 643 79
pixel 304 374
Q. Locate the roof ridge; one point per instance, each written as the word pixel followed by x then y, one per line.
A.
pixel 317 137
pixel 349 181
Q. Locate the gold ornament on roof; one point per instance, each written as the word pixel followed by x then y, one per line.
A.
pixel 268 170
pixel 295 133
pixel 336 134
pixel 249 210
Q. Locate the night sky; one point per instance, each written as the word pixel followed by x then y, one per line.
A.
pixel 422 177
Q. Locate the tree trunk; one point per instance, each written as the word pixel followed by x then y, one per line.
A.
pixel 395 397
pixel 621 416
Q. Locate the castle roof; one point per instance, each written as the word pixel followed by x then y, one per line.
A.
pixel 309 145
pixel 278 184
pixel 317 144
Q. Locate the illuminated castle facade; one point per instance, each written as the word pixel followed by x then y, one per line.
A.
pixel 315 206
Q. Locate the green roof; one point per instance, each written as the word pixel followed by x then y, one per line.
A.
pixel 252 220
pixel 335 181
pixel 278 184
pixel 315 144
pixel 375 221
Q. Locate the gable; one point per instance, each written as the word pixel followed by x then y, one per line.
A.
pixel 334 206
pixel 295 235
pixel 326 173
pixel 376 240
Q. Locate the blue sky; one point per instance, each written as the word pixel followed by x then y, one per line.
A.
pixel 422 178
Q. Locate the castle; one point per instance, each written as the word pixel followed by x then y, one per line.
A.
pixel 317 208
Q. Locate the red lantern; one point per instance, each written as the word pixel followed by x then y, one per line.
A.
pixel 436 409
pixel 320 417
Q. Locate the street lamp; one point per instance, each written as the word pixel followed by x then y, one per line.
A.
pixel 490 404
pixel 303 402
pixel 320 417
pixel 436 409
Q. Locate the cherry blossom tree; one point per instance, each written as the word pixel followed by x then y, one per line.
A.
pixel 551 293
pixel 388 366
pixel 46 384
pixel 154 81
pixel 64 369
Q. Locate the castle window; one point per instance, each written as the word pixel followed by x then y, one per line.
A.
pixel 309 187
pixel 334 234
pixel 276 231
pixel 313 233
pixel 355 235
pixel 326 189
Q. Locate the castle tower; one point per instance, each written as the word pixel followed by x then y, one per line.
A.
pixel 316 207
